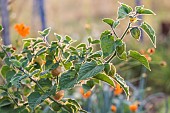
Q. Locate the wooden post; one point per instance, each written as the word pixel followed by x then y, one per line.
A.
pixel 42 13
pixel 5 22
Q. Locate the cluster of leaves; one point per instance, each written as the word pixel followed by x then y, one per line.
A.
pixel 29 83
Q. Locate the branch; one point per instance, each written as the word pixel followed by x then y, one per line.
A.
pixel 114 32
pixel 110 59
pixel 125 31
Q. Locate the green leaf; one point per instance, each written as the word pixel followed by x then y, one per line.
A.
pixel 52 90
pixel 115 24
pixel 96 54
pixel 111 22
pixel 112 70
pixel 141 58
pixel 81 45
pixel 15 80
pixel 9 75
pixel 122 83
pixel 45 33
pixel 22 109
pixel 68 79
pixel 89 69
pixel 68 38
pixel 123 56
pixel 71 108
pixel 2 54
pixel 16 63
pixel 150 32
pixel 107 43
pixel 45 84
pixel 108 21
pixel 55 106
pixel 68 65
pixel 105 78
pixel 135 32
pixel 5 102
pixel 58 37
pixel 35 98
pixel 1 28
pixel 88 86
pixel 72 101
pixel 120 48
pixel 25 63
pixel 90 39
pixel 4 70
pixel 107 68
pixel 41 51
pixel 123 11
pixel 7 61
pixel 143 11
pixel 95 42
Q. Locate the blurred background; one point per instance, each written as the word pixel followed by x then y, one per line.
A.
pixel 83 18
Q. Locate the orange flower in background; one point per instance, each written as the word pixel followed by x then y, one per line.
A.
pixel 118 90
pixel 85 95
pixel 148 57
pixel 151 51
pixel 113 108
pixel 133 107
pixel 22 29
pixel 142 51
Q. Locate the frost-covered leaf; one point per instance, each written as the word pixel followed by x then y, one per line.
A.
pixel 123 11
pixel 150 32
pixel 89 69
pixel 135 32
pixel 141 58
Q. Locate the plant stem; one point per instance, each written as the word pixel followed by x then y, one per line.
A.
pixel 125 31
pixel 12 98
pixel 39 86
pixel 114 32
pixel 110 59
pixel 4 51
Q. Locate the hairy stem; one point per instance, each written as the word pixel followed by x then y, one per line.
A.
pixel 111 58
pixel 125 31
pixel 39 86
pixel 12 98
pixel 114 32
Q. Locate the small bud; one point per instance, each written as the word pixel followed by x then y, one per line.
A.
pixel 87 26
pixel 59 95
pixel 148 57
pixel 163 63
pixel 132 19
pixel 151 51
pixel 142 51
pixel 14 48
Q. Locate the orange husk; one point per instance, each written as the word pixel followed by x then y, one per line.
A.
pixel 118 90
